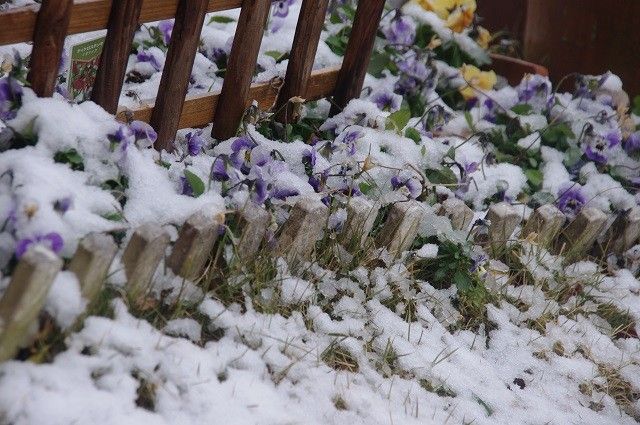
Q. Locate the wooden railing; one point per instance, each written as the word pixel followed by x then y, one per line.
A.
pixel 48 26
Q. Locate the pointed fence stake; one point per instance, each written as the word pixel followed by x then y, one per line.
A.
pixel 252 224
pixel 577 238
pixel 91 263
pixel 457 212
pixel 624 232
pixel 503 220
pixel 194 245
pixel 141 257
pixel 401 228
pixel 361 216
pixel 25 296
pixel 302 230
pixel 546 222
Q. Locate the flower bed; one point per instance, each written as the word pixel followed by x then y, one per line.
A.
pixel 358 334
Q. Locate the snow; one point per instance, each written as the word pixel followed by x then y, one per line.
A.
pixel 367 342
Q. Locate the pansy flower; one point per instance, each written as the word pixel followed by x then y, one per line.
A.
pixel 166 29
pixel 457 14
pixel 52 240
pixel 148 56
pixel 408 184
pixel 10 97
pixel 400 31
pixel 143 131
pixel 280 12
pixel 571 199
pixel 386 100
pixel 476 80
pixel 414 75
pixel 195 143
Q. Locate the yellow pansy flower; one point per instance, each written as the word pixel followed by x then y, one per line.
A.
pixel 484 37
pixel 457 14
pixel 476 79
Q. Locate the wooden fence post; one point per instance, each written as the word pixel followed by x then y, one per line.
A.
pixel 401 228
pixel 303 229
pixel 174 83
pixel 48 41
pixel 25 296
pixel 579 236
pixel 194 245
pixel 123 21
pixel 234 98
pixel 252 222
pixel 624 232
pixel 302 56
pixel 361 216
pixel 141 257
pixel 546 222
pixel 457 212
pixel 503 220
pixel 358 54
pixel 91 263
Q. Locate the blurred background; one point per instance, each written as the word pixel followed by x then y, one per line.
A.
pixel 567 36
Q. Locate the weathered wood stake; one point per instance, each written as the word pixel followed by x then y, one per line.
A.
pixel 361 216
pixel 624 232
pixel 24 298
pixel 91 263
pixel 401 228
pixel 141 257
pixel 302 230
pixel 503 220
pixel 457 212
pixel 194 245
pixel 546 222
pixel 252 222
pixel 577 238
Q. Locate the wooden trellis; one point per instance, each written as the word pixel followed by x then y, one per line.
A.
pixel 48 27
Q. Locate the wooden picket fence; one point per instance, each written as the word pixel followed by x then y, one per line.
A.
pixel 24 298
pixel 55 19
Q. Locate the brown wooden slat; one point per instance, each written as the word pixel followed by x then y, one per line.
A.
pixel 358 54
pixel 185 39
pixel 303 53
pixel 197 110
pixel 234 98
pixel 48 42
pixel 17 25
pixel 514 69
pixel 117 46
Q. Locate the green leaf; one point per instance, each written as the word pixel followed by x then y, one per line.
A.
pixel 274 54
pixel 443 176
pixel 557 136
pixel 366 187
pixel 398 120
pixel 535 177
pixel 413 134
pixel 572 156
pixel 469 119
pixel 196 183
pixel 462 280
pixel 636 105
pixel 522 109
pixel 379 62
pixel 114 216
pixel 221 19
pixel 71 157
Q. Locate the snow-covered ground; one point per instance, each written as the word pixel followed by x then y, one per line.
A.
pixel 363 339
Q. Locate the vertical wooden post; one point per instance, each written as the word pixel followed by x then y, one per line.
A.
pixel 123 20
pixel 234 98
pixel 141 257
pixel 185 39
pixel 48 41
pixel 23 299
pixel 546 222
pixel 624 232
pixel 304 227
pixel 457 212
pixel 361 216
pixel 358 54
pixel 91 263
pixel 401 228
pixel 577 238
pixel 303 53
pixel 503 220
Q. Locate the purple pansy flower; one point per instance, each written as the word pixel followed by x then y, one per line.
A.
pixel 400 31
pixel 123 137
pixel 52 240
pixel 385 100
pixel 186 188
pixel 166 28
pixel 414 75
pixel 632 144
pixel 241 153
pixel 219 169
pixel 281 8
pixel 571 199
pixel 195 143
pixel 143 131
pixel 536 91
pixel 412 185
pixel 63 205
pixel 147 56
pixel 10 97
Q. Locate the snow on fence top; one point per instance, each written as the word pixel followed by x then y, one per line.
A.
pixel 49 26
